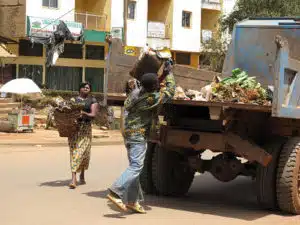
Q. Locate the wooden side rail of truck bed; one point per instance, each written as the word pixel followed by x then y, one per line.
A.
pixel 118 100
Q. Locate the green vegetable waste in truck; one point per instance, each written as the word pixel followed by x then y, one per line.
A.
pixel 263 55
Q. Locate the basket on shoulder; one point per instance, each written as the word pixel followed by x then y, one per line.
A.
pixel 66 116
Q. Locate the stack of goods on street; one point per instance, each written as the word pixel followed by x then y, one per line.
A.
pixel 25 110
pixel 239 88
pixel 66 117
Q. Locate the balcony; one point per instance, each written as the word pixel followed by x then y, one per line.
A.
pixel 159 35
pixel 91 21
pixel 212 4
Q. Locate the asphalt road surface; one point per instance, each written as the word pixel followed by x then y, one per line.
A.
pixel 34 191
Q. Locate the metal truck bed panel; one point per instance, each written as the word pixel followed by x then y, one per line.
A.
pixel 269 50
pixel 250 107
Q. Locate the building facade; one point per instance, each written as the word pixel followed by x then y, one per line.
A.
pixel 175 24
pixel 179 25
pixel 79 62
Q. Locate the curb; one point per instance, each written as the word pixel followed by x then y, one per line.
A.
pixel 53 144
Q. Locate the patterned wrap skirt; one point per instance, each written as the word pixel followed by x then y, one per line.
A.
pixel 80 148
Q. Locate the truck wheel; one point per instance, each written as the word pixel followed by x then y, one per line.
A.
pixel 146 175
pixel 288 177
pixel 266 176
pixel 171 176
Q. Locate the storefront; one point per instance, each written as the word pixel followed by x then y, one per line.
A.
pixel 79 62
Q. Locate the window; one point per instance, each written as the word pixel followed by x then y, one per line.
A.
pixel 64 78
pixel 26 48
pixel 186 19
pixel 94 52
pixel 50 3
pixel 131 9
pixel 8 73
pixel 72 51
pixel 33 72
pixel 96 77
pixel 183 58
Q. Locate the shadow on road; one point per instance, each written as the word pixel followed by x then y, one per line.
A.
pixel 57 183
pixel 118 214
pixel 207 196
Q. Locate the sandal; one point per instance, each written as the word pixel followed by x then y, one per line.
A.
pixel 118 202
pixel 136 208
pixel 72 186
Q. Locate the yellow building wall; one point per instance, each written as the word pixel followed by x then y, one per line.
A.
pixel 209 19
pixel 68 62
pixel 96 7
pixel 195 60
pixel 159 10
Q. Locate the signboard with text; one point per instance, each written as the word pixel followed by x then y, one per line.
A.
pixel 43 27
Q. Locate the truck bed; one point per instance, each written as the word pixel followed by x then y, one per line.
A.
pixel 118 100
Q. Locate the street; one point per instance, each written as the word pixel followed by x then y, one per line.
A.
pixel 34 191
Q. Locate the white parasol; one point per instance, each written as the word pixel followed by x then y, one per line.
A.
pixel 20 86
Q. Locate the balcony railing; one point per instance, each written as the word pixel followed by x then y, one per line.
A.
pixel 91 21
pixel 211 4
pixel 159 35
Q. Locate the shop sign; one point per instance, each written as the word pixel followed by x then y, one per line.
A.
pixel 43 27
pixel 117 32
pixel 129 50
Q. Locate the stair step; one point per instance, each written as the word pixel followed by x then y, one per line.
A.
pixel 6 100
pixel 5 110
pixel 9 105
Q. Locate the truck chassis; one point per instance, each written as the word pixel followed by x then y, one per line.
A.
pixel 269 147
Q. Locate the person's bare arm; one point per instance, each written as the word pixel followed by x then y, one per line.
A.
pixel 94 111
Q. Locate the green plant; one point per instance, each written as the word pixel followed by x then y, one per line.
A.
pixel 259 8
pixel 214 51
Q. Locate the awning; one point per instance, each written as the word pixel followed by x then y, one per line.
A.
pixel 44 27
pixel 4 53
pixel 6 40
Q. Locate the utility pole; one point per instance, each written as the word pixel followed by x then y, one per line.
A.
pixel 125 13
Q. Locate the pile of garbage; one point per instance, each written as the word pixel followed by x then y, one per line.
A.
pixel 239 87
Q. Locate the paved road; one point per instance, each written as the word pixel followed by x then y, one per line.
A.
pixel 33 192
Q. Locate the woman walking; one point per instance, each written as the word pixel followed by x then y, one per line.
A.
pixel 80 143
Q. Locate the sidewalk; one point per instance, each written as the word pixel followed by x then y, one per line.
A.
pixel 51 138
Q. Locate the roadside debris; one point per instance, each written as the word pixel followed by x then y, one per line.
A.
pixel 239 87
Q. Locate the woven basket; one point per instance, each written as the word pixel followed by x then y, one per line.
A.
pixel 66 120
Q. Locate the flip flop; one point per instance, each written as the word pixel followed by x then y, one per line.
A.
pixel 137 208
pixel 72 186
pixel 118 202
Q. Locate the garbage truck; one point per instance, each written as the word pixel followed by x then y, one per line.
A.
pixel 266 137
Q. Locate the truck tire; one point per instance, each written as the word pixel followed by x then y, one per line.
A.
pixel 266 176
pixel 146 175
pixel 288 177
pixel 171 177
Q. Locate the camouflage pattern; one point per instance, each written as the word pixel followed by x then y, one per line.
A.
pixel 141 108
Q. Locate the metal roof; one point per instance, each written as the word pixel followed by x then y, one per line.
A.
pixel 267 23
pixel 4 53
pixel 6 40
